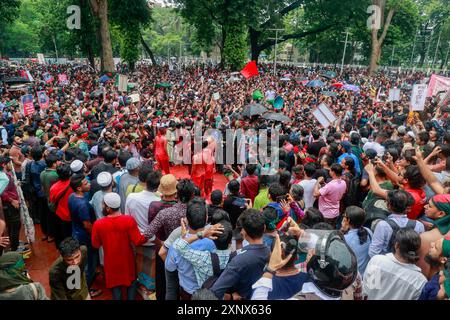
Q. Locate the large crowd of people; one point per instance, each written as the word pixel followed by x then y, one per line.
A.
pixel 357 210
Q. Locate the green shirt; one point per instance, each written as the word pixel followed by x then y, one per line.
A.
pixel 58 280
pixel 262 199
pixel 48 178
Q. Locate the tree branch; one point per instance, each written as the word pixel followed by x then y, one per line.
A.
pixel 386 25
pixel 282 12
pixel 284 38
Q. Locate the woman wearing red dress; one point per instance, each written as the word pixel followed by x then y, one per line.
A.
pixel 161 155
pixel 116 233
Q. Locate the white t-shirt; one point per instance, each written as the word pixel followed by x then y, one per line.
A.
pixel 308 192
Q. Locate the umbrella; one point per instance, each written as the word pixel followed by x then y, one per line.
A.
pixel 257 95
pixel 104 78
pixel 351 87
pixel 315 84
pixel 274 116
pixel 337 85
pixel 163 85
pixel 287 75
pixel 16 80
pixel 329 74
pixel 329 93
pixel 253 110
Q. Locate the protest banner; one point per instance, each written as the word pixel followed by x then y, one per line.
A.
pixel 135 97
pixel 216 96
pixel 62 79
pixel 48 78
pixel 418 97
pixel 41 58
pixel 27 104
pixel 324 115
pixel 445 101
pixel 394 94
pixel 438 84
pixel 43 100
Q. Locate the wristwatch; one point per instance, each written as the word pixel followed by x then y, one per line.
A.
pixel 267 269
pixel 199 234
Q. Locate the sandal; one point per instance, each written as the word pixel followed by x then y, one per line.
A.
pixel 95 293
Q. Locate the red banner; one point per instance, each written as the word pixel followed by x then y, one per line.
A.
pixel 250 70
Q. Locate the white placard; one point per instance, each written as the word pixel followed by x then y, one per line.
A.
pixel 123 83
pixel 394 94
pixel 135 97
pixel 41 58
pixel 324 115
pixel 216 96
pixel 418 96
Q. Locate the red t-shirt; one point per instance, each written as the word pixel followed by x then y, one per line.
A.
pixel 419 203
pixel 56 190
pixel 250 187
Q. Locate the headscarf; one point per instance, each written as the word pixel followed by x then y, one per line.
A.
pixel 12 271
pixel 442 202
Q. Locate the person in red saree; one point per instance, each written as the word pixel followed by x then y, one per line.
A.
pixel 116 233
pixel 210 165
pixel 161 155
pixel 199 170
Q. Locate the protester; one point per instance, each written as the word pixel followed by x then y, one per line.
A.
pixel 116 233
pixel 72 261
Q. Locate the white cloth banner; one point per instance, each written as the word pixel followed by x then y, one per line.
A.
pixel 394 94
pixel 418 96
pixel 438 84
pixel 123 83
pixel 324 115
pixel 41 58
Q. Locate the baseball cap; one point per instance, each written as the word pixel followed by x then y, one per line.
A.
pixel 168 185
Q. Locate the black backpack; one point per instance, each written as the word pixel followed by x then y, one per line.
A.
pixel 395 227
pixel 216 269
pixel 353 195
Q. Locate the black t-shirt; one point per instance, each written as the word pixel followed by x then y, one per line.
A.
pixel 234 206
pixel 314 147
pixel 399 119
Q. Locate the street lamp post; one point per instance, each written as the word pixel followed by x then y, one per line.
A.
pixel 345 49
pixel 276 47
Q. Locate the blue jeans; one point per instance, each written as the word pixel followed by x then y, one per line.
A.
pixel 131 291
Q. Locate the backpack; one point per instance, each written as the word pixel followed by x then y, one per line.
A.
pixel 353 195
pixel 216 269
pixel 395 227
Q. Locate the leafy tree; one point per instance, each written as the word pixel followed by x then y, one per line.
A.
pixel 235 47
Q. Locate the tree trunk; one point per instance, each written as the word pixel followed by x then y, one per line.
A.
pixel 90 54
pixel 148 50
pixel 222 49
pixel 254 35
pixel 100 10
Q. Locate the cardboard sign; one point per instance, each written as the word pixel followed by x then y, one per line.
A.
pixel 27 104
pixel 418 96
pixel 135 97
pixel 43 99
pixel 41 58
pixel 394 94
pixel 324 115
pixel 216 96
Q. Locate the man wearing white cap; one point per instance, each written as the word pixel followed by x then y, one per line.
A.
pixel 129 178
pixel 116 233
pixel 137 205
pixel 77 166
pixel 105 181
